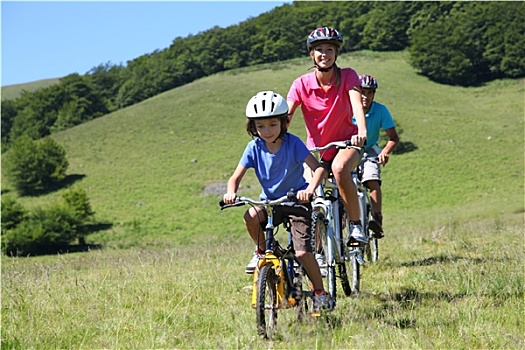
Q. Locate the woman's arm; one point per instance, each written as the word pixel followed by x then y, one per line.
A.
pixel 292 106
pixel 359 114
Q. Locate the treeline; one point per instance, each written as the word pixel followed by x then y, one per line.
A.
pixel 459 43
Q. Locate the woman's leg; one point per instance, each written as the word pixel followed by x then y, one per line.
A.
pixel 344 162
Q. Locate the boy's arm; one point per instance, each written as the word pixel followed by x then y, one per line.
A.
pixel 318 175
pixel 393 141
pixel 233 184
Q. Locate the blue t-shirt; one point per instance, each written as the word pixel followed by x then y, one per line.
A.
pixel 377 118
pixel 279 172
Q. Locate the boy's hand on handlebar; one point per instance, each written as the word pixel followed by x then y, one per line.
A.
pixel 229 198
pixel 383 158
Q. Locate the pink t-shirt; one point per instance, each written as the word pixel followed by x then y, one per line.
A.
pixel 327 115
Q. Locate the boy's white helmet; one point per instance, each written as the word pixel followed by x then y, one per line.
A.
pixel 266 104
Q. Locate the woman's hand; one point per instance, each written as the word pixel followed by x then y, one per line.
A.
pixel 358 140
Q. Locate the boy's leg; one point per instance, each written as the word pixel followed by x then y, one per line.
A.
pixel 376 224
pixel 300 224
pixel 255 220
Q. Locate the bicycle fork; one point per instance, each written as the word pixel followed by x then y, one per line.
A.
pixel 270 258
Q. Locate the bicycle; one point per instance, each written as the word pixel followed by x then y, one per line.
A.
pixel 328 222
pixel 280 280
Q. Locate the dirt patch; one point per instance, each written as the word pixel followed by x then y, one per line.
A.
pixel 215 189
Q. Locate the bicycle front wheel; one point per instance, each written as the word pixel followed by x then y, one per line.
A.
pixel 343 272
pixel 320 237
pixel 266 307
pixel 356 271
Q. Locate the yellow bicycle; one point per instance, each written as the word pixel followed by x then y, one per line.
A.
pixel 280 280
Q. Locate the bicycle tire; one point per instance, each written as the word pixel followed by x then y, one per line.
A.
pixel 353 265
pixel 266 307
pixel 343 271
pixel 319 235
pixel 372 249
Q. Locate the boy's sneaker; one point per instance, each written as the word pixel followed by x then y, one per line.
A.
pixel 320 301
pixel 321 261
pixel 252 265
pixel 376 225
pixel 356 235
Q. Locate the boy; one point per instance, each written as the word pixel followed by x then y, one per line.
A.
pixel 277 158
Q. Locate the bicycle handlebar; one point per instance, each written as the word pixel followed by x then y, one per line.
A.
pixel 337 144
pixel 239 201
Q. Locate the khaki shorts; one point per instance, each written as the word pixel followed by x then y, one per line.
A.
pixel 300 220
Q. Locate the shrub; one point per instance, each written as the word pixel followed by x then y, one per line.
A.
pixel 12 213
pixel 44 231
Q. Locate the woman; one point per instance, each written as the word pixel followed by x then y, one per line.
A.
pixel 329 97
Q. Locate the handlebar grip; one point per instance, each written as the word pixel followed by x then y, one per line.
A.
pixel 236 204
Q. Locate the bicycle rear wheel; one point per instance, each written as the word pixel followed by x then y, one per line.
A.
pixel 303 291
pixel 372 249
pixel 266 307
pixel 321 246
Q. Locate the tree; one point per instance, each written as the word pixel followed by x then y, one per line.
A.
pixel 77 201
pixel 33 166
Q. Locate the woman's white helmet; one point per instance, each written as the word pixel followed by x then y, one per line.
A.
pixel 266 104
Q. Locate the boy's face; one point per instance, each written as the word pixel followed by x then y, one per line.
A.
pixel 268 129
pixel 367 97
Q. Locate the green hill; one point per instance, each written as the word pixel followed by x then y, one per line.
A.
pixel 450 273
pixel 10 92
pixel 146 167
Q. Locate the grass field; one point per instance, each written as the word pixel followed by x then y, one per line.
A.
pixel 450 273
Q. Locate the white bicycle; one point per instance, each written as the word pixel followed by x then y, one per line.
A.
pixel 329 220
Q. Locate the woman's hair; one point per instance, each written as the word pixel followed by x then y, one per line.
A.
pixel 252 129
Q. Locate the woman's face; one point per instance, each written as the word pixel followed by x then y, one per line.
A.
pixel 324 55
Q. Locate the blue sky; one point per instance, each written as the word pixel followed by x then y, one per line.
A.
pixel 42 40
